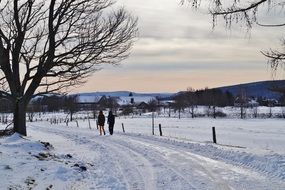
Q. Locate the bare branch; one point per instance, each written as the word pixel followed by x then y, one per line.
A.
pixel 234 9
pixel 59 42
pixel 246 12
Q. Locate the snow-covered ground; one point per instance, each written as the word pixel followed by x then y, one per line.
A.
pixel 255 134
pixel 250 154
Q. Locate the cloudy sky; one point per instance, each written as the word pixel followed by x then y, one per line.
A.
pixel 177 49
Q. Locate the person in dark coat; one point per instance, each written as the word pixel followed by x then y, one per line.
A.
pixel 101 122
pixel 111 122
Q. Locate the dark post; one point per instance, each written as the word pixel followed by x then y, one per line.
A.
pixel 160 131
pixel 123 127
pixel 152 123
pixel 214 135
pixel 89 123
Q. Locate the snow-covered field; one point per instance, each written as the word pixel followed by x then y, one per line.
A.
pixel 255 134
pixel 250 154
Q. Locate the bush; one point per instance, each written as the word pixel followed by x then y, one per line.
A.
pixel 220 114
pixel 127 110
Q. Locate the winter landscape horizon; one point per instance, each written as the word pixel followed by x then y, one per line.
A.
pixel 61 154
pixel 204 106
pixel 161 147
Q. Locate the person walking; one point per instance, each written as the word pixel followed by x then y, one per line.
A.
pixel 101 122
pixel 111 122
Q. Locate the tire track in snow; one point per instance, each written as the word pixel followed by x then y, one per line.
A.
pixel 134 169
pixel 107 143
pixel 157 155
pixel 170 176
pixel 250 178
pixel 163 157
pixel 142 167
pixel 105 176
pixel 129 174
pixel 270 166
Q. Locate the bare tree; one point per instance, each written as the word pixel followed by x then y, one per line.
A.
pixel 255 111
pixel 153 105
pixel 242 102
pixel 50 45
pixel 248 13
pixel 113 104
pixel 71 105
pixel 94 108
pixel 31 112
pixel 191 101
pixel 180 103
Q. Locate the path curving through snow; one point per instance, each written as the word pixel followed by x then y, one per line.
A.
pixel 128 161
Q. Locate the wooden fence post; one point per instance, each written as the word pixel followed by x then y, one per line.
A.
pixel 77 123
pixel 123 127
pixel 89 123
pixel 152 123
pixel 160 131
pixel 214 135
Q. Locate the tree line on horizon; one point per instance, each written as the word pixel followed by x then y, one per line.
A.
pixel 212 99
pixel 49 46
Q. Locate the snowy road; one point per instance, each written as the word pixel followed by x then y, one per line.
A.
pixel 128 161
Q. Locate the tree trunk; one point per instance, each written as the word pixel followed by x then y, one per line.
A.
pixel 152 123
pixel 94 115
pixel 20 118
pixel 71 115
pixel 241 112
pixel 192 111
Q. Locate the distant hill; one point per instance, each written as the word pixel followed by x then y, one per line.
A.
pixel 125 94
pixel 91 96
pixel 256 89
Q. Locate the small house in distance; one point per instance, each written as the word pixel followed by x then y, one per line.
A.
pixel 245 102
pixel 88 102
pixel 119 100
